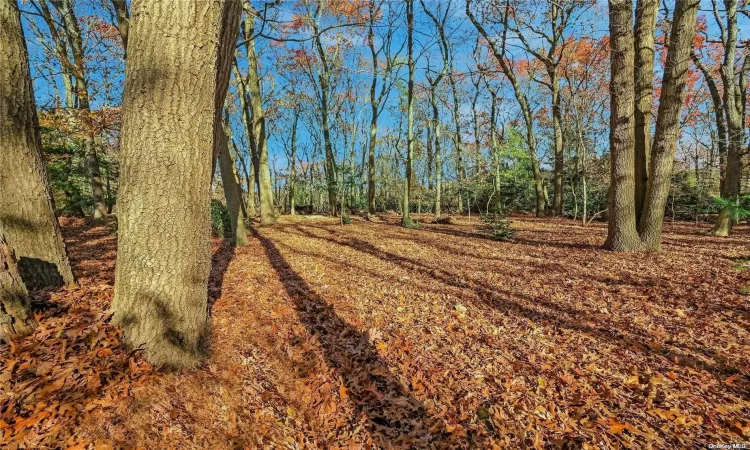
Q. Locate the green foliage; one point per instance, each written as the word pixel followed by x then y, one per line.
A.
pixel 220 226
pixel 346 219
pixel 498 226
pixel 739 208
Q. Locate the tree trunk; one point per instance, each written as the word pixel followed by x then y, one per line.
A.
pixel 293 164
pixel 557 202
pixel 263 170
pixel 668 122
pixel 622 235
pixel 645 26
pixel 438 155
pixel 231 193
pixel 406 219
pixel 458 141
pixel 27 210
pixel 168 142
pixel 16 318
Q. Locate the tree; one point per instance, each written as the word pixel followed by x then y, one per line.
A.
pixel 645 27
pixel 728 98
pixel 16 318
pixel 27 211
pixel 66 33
pixel 231 189
pixel 558 16
pixel 168 142
pixel 499 51
pixel 622 233
pixel 258 137
pixel 668 122
pixel 406 219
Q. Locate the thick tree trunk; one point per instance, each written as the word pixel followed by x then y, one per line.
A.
pixel 645 26
pixel 16 318
pixel 263 170
pixel 27 211
pixel 231 193
pixel 622 235
pixel 168 142
pixel 668 122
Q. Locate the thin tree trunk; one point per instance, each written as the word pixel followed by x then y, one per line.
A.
pixel 557 202
pixel 263 170
pixel 27 210
pixel 668 122
pixel 406 219
pixel 231 193
pixel 293 163
pixel 168 141
pixel 622 235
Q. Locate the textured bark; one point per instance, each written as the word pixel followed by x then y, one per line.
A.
pixel 168 142
pixel 263 170
pixel 27 215
pixel 668 122
pixel 645 26
pixel 405 218
pixel 231 193
pixel 16 318
pixel 622 235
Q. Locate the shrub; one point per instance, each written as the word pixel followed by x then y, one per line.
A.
pixel 497 225
pixel 346 219
pixel 220 226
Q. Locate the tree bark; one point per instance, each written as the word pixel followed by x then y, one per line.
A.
pixel 645 26
pixel 27 210
pixel 668 122
pixel 622 235
pixel 123 21
pixel 231 193
pixel 557 201
pixel 168 142
pixel 16 318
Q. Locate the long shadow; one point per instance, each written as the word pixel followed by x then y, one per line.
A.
pixel 394 418
pixel 219 264
pixel 563 317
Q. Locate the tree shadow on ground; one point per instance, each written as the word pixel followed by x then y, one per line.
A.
pixel 220 260
pixel 545 311
pixel 394 418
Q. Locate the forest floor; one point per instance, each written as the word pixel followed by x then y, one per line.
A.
pixel 373 335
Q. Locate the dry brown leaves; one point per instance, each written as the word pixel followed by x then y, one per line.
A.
pixel 372 335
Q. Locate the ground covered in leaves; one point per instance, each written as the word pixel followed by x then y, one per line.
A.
pixel 372 335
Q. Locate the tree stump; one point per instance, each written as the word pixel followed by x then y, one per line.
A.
pixel 16 319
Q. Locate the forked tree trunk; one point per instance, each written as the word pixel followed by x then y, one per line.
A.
pixel 645 26
pixel 668 122
pixel 169 135
pixel 16 318
pixel 26 206
pixel 622 235
pixel 231 193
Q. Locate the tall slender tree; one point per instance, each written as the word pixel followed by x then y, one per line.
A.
pixel 168 143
